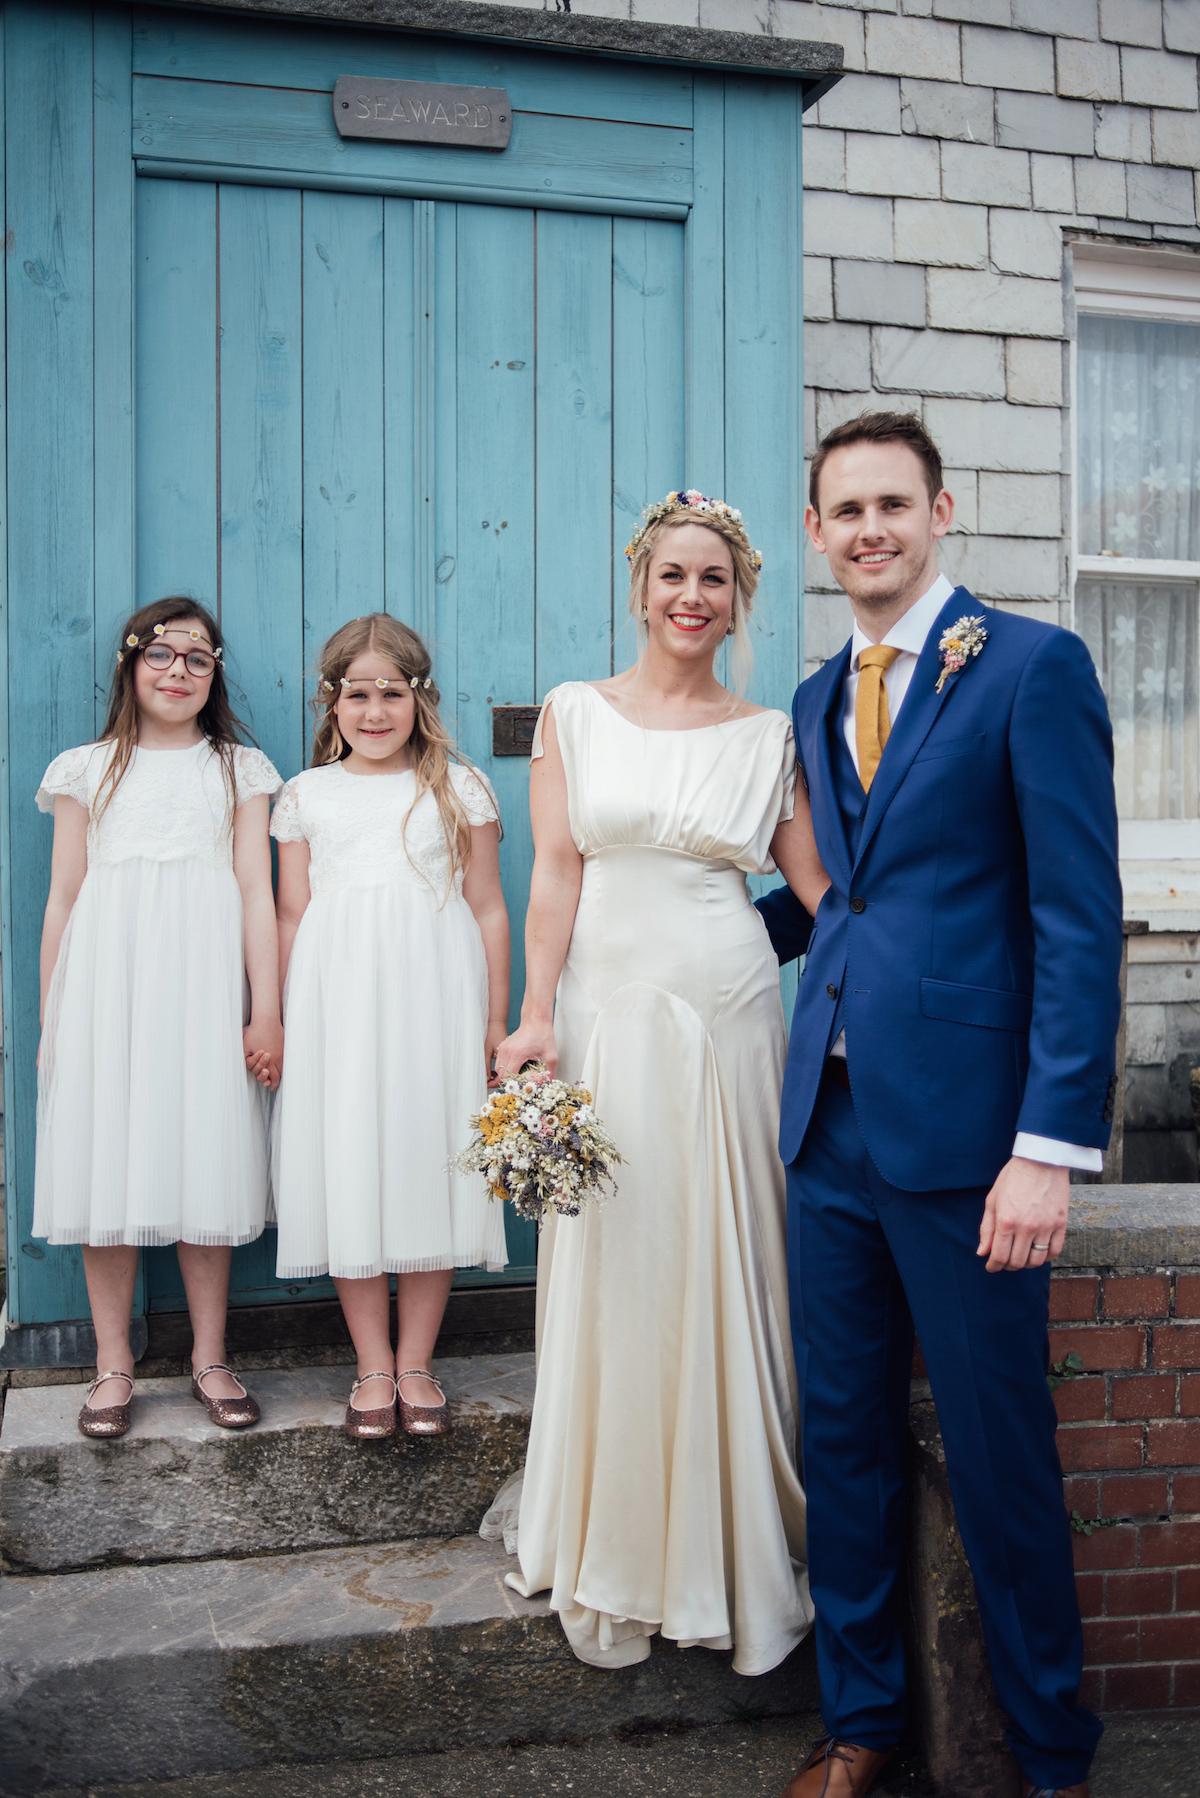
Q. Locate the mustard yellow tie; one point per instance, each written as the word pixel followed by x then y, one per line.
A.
pixel 872 722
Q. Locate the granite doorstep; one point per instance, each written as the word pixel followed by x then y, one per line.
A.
pixel 176 1488
pixel 410 1647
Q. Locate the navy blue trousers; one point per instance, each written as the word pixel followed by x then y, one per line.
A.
pixel 866 1261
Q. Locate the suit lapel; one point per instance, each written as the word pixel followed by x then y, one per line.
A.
pixel 917 715
pixel 826 716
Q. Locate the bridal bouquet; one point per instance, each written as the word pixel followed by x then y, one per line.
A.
pixel 539 1143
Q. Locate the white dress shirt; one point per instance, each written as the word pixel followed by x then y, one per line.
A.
pixel 908 635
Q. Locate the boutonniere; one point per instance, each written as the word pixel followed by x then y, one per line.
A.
pixel 958 644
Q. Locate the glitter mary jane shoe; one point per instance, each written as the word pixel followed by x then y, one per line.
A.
pixel 422 1420
pixel 108 1420
pixel 229 1413
pixel 367 1426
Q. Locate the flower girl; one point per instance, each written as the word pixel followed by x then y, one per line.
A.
pixel 150 1128
pixel 393 938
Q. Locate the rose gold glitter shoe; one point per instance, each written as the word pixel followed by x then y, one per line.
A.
pixel 366 1426
pixel 423 1420
pixel 229 1413
pixel 108 1420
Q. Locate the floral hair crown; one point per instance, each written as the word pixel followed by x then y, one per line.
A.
pixel 689 500
pixel 383 685
pixel 132 641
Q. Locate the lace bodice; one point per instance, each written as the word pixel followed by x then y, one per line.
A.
pixel 716 793
pixel 354 825
pixel 171 804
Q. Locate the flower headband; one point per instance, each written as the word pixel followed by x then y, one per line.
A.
pixel 383 685
pixel 689 500
pixel 133 641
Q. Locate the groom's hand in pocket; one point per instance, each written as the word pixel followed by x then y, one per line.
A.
pixel 1025 1216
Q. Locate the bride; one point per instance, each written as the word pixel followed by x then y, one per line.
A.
pixel 660 1490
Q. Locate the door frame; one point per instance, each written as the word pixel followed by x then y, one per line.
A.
pixel 67 311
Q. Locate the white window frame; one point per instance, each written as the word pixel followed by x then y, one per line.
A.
pixel 1151 284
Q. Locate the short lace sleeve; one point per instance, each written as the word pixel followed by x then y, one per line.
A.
pixel 475 791
pixel 255 775
pixel 787 805
pixel 66 778
pixel 286 824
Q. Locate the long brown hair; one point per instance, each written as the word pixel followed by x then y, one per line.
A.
pixel 217 718
pixel 432 748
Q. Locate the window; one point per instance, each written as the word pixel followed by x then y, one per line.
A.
pixel 1137 540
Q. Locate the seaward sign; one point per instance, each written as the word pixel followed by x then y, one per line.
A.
pixel 422 112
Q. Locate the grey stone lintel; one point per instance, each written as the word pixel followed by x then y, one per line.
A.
pixel 817 66
pixel 1133 1226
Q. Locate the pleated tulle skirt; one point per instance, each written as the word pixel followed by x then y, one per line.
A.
pixel 385 1013
pixel 149 1129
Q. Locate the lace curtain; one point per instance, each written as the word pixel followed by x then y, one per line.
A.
pixel 1143 642
pixel 1139 496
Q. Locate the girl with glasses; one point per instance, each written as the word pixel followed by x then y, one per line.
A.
pixel 393 936
pixel 151 1126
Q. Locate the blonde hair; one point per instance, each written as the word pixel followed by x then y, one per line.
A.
pixel 745 579
pixel 432 748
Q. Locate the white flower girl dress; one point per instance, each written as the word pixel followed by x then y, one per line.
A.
pixel 150 1131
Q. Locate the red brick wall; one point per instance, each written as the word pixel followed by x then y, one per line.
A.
pixel 1129 1438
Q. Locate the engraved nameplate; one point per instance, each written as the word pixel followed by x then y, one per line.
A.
pixel 423 112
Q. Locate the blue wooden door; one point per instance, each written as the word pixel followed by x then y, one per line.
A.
pixel 333 376
pixel 452 412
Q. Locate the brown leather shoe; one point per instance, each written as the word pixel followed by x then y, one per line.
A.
pixel 1029 1790
pixel 837 1769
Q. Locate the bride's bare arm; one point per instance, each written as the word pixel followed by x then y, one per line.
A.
pixel 794 849
pixel 553 900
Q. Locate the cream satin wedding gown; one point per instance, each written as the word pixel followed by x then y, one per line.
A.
pixel 660 1489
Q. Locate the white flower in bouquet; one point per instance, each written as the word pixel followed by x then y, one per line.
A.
pixel 539 1144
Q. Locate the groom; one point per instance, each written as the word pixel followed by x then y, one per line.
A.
pixel 951 1059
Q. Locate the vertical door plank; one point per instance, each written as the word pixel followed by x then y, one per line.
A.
pixel 401 501
pixel 112 401
pixel 436 243
pixel 704 306
pixel 574 448
pixel 494 573
pixel 343 412
pixel 648 389
pixel 262 519
pixel 176 364
pixel 50 621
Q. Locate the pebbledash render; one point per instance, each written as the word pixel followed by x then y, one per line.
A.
pixel 1001 234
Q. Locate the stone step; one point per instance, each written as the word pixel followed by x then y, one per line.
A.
pixel 178 1489
pixel 138 1673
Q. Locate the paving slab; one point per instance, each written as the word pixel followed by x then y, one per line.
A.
pixel 139 1673
pixel 177 1488
pixel 1139 1755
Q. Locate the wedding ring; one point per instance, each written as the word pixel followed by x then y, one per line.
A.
pixel 1041 1245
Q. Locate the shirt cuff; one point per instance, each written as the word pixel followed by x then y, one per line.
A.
pixel 1058 1154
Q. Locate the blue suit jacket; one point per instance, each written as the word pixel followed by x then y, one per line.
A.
pixel 977 933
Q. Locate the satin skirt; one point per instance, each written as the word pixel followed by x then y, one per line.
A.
pixel 660 1490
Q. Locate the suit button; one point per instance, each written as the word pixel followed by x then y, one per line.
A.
pixel 858 905
pixel 831 990
pixel 1107 1114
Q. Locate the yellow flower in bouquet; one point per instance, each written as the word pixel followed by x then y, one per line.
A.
pixel 539 1144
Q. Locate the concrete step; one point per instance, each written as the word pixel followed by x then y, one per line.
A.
pixel 138 1673
pixel 176 1488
